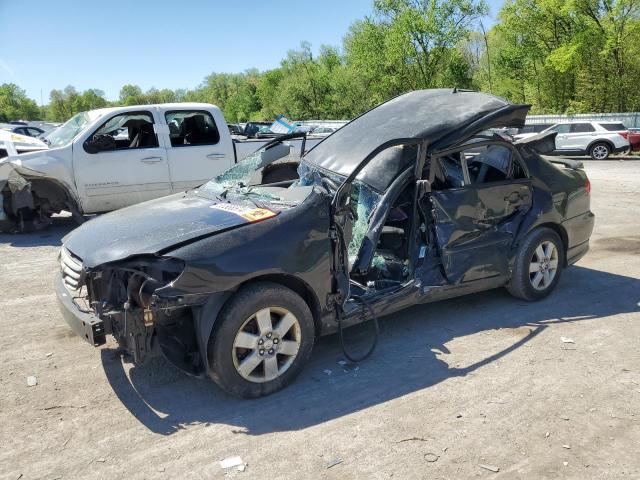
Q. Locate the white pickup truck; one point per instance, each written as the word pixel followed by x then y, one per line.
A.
pixel 111 158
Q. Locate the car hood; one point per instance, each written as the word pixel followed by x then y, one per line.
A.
pixel 151 227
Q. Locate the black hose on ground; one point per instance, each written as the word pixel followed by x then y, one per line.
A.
pixel 376 331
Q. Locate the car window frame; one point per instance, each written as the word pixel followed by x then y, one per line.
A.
pixel 191 110
pixel 134 112
pixel 589 124
pixel 621 124
pixel 515 157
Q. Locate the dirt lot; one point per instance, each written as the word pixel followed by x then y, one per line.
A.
pixel 480 380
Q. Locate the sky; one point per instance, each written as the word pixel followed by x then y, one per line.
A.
pixel 104 45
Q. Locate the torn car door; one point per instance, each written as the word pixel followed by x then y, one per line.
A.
pixel 475 220
pixel 389 159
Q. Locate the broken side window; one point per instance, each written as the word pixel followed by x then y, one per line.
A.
pixel 126 131
pixel 191 127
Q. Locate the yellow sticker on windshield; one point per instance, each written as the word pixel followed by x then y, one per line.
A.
pixel 257 214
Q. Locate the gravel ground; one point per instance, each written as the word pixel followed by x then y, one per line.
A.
pixel 454 390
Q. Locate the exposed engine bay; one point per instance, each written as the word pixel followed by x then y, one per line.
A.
pixel 124 297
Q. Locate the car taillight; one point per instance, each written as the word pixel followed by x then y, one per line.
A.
pixel 624 135
pixel 587 187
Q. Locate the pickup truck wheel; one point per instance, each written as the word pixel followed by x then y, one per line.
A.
pixel 600 151
pixel 262 340
pixel 537 266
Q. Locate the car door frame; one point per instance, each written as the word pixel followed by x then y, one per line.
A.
pixel 563 137
pixel 219 154
pixel 109 190
pixel 342 221
pixel 579 141
pixel 466 254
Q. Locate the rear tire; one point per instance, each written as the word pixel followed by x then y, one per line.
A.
pixel 600 151
pixel 262 339
pixel 538 265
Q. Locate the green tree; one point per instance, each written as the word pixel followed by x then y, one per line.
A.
pixel 131 95
pixel 63 104
pixel 412 44
pixel 14 104
pixel 580 57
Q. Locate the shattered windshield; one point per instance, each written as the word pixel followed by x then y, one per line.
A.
pixel 242 181
pixel 66 132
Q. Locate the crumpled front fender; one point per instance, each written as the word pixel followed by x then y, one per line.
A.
pixel 16 194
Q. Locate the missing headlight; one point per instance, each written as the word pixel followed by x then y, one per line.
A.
pixel 131 283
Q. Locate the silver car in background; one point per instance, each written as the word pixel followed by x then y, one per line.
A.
pixel 598 139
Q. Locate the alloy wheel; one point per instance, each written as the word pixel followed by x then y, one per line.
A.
pixel 266 344
pixel 600 152
pixel 543 265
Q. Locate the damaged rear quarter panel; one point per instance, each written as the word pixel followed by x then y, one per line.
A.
pixel 559 195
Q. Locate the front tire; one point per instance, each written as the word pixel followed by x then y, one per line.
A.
pixel 262 339
pixel 537 266
pixel 600 151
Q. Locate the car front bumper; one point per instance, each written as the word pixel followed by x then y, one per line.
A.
pixel 86 325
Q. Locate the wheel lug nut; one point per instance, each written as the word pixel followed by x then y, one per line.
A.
pixel 261 351
pixel 275 340
pixel 268 335
pixel 271 351
pixel 260 342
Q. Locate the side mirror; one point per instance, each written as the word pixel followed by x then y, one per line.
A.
pixel 99 143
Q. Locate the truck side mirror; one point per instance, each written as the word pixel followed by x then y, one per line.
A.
pixel 99 143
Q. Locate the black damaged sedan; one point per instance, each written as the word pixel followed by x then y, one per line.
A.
pixel 416 200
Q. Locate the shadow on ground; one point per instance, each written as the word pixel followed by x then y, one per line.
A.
pixel 51 236
pixel 410 356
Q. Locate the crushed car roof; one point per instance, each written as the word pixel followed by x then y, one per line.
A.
pixel 441 116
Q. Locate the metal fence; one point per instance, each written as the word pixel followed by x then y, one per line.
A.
pixel 324 123
pixel 631 119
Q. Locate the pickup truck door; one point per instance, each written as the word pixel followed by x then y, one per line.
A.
pixel 199 146
pixel 478 203
pixel 126 165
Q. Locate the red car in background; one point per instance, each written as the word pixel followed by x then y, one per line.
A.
pixel 634 139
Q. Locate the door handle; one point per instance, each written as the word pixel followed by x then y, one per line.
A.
pixel 216 155
pixel 151 159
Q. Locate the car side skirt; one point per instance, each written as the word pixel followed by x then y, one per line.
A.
pixel 410 294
